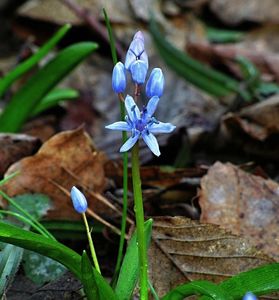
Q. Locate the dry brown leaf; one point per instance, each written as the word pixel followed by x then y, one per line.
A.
pixel 69 158
pixel 245 204
pixel 56 12
pixel 259 120
pixel 237 11
pixel 183 250
pixel 14 147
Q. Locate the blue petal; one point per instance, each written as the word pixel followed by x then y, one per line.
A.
pixel 135 51
pixel 155 84
pixel 121 125
pixel 151 142
pixel 138 71
pixel 132 109
pixel 130 142
pixel 79 200
pixel 161 127
pixel 139 35
pixel 130 58
pixel 118 78
pixel 249 296
pixel 152 105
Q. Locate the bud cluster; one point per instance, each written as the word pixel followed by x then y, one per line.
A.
pixel 136 63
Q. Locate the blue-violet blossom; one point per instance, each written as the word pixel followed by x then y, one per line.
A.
pixel 136 59
pixel 141 124
pixel 249 296
pixel 79 200
pixel 118 78
pixel 155 83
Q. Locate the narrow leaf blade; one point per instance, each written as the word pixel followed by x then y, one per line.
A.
pixel 25 66
pixel 42 245
pixel 129 271
pixel 28 97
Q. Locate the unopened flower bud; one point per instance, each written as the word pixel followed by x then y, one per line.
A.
pixel 136 51
pixel 138 71
pixel 79 200
pixel 249 296
pixel 155 83
pixel 118 78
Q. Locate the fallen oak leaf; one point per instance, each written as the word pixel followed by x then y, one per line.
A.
pixel 70 152
pixel 183 250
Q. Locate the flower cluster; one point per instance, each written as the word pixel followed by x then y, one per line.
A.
pixel 139 123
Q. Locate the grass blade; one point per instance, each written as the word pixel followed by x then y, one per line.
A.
pixel 25 66
pixel 209 80
pixel 37 87
pixel 42 245
pixel 129 271
pixel 53 98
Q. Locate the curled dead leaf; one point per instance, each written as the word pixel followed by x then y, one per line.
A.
pixel 68 158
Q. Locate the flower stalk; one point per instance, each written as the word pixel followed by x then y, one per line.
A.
pixel 138 207
pixel 91 245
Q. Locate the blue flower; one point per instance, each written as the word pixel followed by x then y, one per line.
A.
pixel 138 71
pixel 118 78
pixel 141 124
pixel 136 51
pixel 155 83
pixel 79 200
pixel 249 296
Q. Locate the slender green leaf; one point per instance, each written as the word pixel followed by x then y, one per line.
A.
pixel 104 289
pixel 260 281
pixel 129 271
pixel 198 287
pixel 89 284
pixel 7 178
pixel 10 258
pixel 22 68
pixel 217 35
pixel 53 98
pixel 111 38
pixel 211 81
pixel 37 87
pixel 40 244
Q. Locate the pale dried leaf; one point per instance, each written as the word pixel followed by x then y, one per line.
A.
pixel 237 11
pixel 242 203
pixel 183 250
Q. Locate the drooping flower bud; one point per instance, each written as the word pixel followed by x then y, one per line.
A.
pixel 249 296
pixel 155 83
pixel 118 78
pixel 136 51
pixel 79 200
pixel 138 71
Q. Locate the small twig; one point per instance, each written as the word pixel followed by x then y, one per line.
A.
pixel 95 25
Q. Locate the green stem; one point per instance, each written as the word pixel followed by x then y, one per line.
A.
pixel 91 245
pixel 140 223
pixel 125 161
pixel 26 214
pixel 24 220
